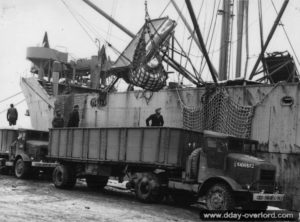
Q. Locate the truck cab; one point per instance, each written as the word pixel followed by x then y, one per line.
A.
pixel 229 173
pixel 28 152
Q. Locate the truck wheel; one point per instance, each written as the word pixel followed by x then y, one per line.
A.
pixel 96 182
pixel 22 169
pixel 63 177
pixel 261 206
pixel 195 162
pixel 219 197
pixel 148 189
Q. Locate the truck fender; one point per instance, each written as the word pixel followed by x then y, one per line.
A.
pixel 218 179
pixel 23 156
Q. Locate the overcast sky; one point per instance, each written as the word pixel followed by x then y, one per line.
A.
pixel 23 23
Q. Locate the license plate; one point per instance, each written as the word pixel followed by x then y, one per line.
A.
pixel 267 197
pixel 41 164
pixel 9 163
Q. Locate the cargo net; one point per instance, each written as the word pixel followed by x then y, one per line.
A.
pixel 146 73
pixel 221 114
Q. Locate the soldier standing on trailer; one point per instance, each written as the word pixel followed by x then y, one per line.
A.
pixel 58 121
pixel 12 115
pixel 74 117
pixel 156 118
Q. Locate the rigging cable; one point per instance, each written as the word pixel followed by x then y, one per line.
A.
pixel 84 29
pixel 113 12
pixel 7 98
pixel 212 37
pixel 287 36
pixel 235 40
pixel 213 26
pixel 191 42
pixel 14 104
pixel 163 11
pixel 92 29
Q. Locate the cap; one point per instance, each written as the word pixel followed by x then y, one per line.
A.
pixel 158 109
pixel 76 106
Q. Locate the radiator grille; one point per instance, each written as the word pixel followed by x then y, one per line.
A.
pixel 267 175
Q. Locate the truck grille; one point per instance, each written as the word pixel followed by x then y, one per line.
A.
pixel 267 175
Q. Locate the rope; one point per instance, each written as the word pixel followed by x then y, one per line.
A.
pixel 163 11
pixel 287 36
pixel 84 29
pixel 220 113
pixel 7 98
pixel 15 105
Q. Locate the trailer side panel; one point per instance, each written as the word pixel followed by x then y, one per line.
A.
pixel 149 145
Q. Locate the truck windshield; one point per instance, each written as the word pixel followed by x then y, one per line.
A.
pixel 36 135
pixel 242 146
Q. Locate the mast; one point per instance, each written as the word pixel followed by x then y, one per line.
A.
pixel 197 29
pixel 284 5
pixel 225 39
pixel 120 26
pixel 192 33
pixel 247 36
pixel 240 30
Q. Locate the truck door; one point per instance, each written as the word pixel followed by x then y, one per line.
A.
pixel 216 150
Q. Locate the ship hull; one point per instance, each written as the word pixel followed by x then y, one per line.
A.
pixel 275 125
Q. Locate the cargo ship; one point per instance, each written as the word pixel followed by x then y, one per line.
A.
pixel 265 109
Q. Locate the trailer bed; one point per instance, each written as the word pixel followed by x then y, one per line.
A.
pixel 135 145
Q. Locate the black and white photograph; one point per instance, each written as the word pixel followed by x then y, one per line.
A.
pixel 149 110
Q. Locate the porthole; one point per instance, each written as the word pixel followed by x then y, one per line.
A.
pixel 287 101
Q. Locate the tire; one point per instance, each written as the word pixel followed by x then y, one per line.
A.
pixel 96 182
pixel 219 197
pixel 195 156
pixel 261 206
pixel 22 169
pixel 148 189
pixel 63 177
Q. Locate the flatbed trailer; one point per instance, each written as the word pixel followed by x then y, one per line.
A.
pixel 216 169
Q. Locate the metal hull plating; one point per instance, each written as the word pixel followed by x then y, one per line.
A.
pixel 276 124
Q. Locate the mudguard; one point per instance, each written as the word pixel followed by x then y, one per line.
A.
pixel 219 179
pixel 24 156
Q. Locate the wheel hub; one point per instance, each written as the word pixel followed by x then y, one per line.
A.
pixel 19 167
pixel 217 201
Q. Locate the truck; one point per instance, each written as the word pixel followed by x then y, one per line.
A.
pixel 24 152
pixel 217 170
pixel 7 137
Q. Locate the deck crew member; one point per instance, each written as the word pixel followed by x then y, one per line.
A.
pixel 156 118
pixel 58 121
pixel 12 115
pixel 74 117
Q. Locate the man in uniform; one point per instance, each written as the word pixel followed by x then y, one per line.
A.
pixel 58 121
pixel 12 115
pixel 74 117
pixel 156 118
